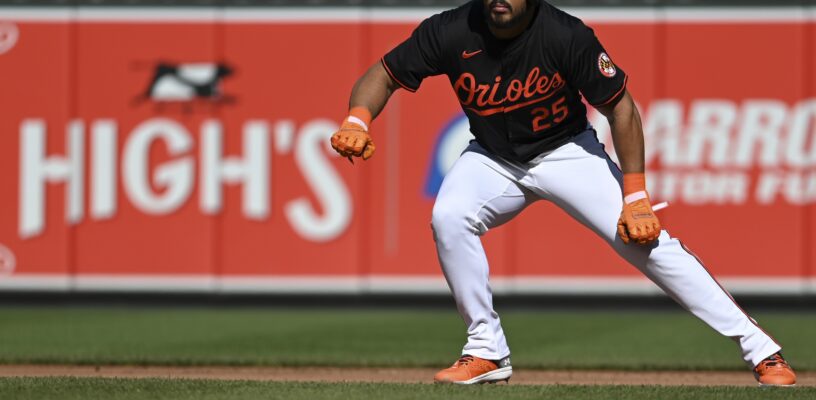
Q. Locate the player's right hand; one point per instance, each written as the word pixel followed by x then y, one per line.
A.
pixel 353 140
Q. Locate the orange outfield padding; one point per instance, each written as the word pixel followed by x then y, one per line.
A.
pixel 205 158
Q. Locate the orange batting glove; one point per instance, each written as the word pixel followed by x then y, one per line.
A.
pixel 353 139
pixel 637 221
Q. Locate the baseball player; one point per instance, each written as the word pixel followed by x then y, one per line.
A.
pixel 520 69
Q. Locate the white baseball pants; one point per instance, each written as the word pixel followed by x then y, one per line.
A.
pixel 482 191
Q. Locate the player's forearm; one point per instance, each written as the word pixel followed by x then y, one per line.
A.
pixel 368 97
pixel 373 90
pixel 627 135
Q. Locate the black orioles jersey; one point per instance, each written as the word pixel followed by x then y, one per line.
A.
pixel 522 96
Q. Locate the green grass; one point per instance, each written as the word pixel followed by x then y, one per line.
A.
pixel 595 340
pixel 139 389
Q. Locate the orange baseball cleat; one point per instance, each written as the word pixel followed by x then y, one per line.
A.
pixel 775 371
pixel 468 370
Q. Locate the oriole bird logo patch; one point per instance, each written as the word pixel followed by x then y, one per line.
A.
pixel 606 66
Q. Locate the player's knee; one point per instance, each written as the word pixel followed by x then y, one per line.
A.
pixel 447 219
pixel 450 222
pixel 441 216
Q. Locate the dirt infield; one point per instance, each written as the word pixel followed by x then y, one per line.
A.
pixel 394 375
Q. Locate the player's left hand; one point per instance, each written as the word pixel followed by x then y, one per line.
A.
pixel 638 223
pixel 353 140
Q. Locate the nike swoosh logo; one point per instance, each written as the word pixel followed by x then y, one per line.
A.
pixel 467 55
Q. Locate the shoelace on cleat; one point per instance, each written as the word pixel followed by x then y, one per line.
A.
pixel 464 360
pixel 774 360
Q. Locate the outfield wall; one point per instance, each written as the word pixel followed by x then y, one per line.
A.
pixel 120 172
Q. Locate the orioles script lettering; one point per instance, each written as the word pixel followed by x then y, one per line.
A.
pixel 535 88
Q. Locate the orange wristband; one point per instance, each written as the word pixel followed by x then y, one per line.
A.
pixel 633 183
pixel 360 116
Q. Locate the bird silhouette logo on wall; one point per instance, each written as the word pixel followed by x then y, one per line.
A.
pixel 187 86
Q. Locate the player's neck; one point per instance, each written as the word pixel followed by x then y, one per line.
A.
pixel 512 32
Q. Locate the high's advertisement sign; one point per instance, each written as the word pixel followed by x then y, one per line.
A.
pixel 175 149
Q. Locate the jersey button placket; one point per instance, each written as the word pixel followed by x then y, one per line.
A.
pixel 508 118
